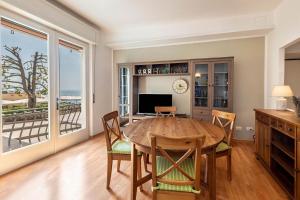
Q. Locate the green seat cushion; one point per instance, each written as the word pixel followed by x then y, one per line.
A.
pixel 223 147
pixel 122 147
pixel 188 166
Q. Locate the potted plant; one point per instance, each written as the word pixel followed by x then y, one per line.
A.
pixel 297 104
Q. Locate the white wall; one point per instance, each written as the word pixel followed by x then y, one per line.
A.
pixel 287 30
pixel 102 84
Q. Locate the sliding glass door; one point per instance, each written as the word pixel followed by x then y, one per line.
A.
pixel 72 87
pixel 44 100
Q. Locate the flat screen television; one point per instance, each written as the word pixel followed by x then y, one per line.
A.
pixel 147 102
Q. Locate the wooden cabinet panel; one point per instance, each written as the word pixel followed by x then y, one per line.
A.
pixel 263 141
pixel 297 191
pixel 267 143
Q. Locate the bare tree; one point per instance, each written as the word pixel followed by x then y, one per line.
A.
pixel 29 77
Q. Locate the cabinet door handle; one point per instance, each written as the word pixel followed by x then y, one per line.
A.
pixel 290 129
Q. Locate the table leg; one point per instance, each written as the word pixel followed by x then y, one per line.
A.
pixel 212 174
pixel 133 172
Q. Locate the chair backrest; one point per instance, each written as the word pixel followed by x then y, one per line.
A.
pixel 191 145
pixel 226 121
pixel 111 129
pixel 161 110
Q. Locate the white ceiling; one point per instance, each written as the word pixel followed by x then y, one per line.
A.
pixel 119 17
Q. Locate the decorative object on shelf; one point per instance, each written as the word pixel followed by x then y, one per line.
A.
pixel 282 91
pixel 144 71
pixel 197 74
pixel 149 71
pixel 180 86
pixel 297 104
pixel 139 71
pixel 155 70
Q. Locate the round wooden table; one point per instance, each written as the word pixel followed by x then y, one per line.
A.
pixel 138 134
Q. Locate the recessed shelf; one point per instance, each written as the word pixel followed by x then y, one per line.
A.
pixel 284 149
pixel 283 164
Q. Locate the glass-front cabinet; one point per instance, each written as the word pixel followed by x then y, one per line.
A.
pixel 201 84
pixel 212 86
pixel 220 85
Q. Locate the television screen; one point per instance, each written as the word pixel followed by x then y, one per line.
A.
pixel 147 102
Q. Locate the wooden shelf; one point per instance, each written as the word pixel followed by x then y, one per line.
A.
pixel 288 186
pixel 169 74
pixel 283 164
pixel 284 149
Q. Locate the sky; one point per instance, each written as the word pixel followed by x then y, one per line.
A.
pixel 69 60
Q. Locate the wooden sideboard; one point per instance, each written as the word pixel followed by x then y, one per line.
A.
pixel 277 139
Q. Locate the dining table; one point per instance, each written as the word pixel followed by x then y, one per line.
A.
pixel 138 133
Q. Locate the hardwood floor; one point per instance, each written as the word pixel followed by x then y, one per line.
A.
pixel 79 173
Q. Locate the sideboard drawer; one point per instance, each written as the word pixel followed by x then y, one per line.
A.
pixel 290 129
pixel 202 115
pixel 263 118
pixel 273 122
pixel 281 125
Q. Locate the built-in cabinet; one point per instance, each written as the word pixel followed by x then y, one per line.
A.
pixel 211 82
pixel 277 142
pixel 211 86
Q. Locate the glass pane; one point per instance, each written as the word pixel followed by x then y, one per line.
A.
pixel 124 95
pixel 221 85
pixel 70 89
pixel 24 88
pixel 201 85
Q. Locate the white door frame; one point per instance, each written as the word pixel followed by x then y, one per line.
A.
pixel 20 157
pixel 66 140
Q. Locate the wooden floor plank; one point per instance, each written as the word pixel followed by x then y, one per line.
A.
pixel 79 173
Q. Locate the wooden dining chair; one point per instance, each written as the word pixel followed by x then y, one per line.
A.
pixel 165 111
pixel 176 177
pixel 226 121
pixel 117 147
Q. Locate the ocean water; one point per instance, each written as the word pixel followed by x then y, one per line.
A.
pixel 70 93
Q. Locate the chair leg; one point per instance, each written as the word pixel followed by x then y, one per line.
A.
pixel 118 166
pixel 145 159
pixel 206 169
pixel 109 169
pixel 139 170
pixel 229 166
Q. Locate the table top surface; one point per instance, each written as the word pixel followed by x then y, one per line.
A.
pixel 138 132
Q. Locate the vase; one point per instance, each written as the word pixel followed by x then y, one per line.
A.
pixel 298 110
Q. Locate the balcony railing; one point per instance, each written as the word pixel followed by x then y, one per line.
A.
pixel 27 126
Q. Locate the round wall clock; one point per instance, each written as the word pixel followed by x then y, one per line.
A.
pixel 180 86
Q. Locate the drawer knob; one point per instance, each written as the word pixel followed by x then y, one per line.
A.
pixel 290 129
